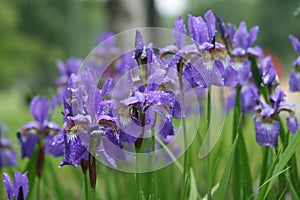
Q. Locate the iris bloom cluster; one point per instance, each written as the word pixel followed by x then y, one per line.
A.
pixel 97 121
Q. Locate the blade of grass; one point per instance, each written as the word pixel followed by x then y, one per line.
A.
pixel 245 168
pixel 31 169
pixel 213 191
pixel 193 186
pixel 59 193
pixel 264 167
pixel 169 152
pixel 285 157
pixel 225 179
pixel 292 190
pixel 263 192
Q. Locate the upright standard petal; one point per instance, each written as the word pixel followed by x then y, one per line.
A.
pixel 295 43
pixel 74 151
pixel 294 81
pixel 179 32
pixel 39 109
pixel 211 25
pixel 8 186
pixel 139 44
pixel 20 185
pixel 28 143
pixel 240 38
pixel 252 35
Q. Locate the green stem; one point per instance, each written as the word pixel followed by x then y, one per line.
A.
pixel 38 188
pixel 86 186
pixel 185 161
pixel 93 194
pixel 137 175
pixel 236 183
pixel 153 172
pixel 138 145
pixel 208 141
pixel 264 168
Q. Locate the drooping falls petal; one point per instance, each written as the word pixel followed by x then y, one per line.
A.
pixel 249 97
pixel 74 151
pixel 28 142
pixel 210 71
pixel 8 157
pixel 193 77
pixel 230 76
pixel 165 129
pixel 295 81
pixel 292 124
pixel 244 71
pixel 266 132
pixel 54 145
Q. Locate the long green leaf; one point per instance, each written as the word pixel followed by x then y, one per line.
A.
pixel 285 157
pixel 225 180
pixel 282 162
pixel 169 152
pixel 263 193
pixel 292 190
pixel 31 169
pixel 193 186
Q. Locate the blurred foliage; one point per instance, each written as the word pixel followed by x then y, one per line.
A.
pixel 34 34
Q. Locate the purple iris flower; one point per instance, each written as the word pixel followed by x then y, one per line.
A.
pixel 226 30
pixel 138 112
pixel 66 70
pixel 203 33
pixel 268 73
pixel 40 128
pixel 90 126
pixel 266 127
pixel 146 103
pixel 242 41
pixel 206 62
pixel 295 73
pixel 8 157
pixel 240 44
pixel 108 45
pixel 19 189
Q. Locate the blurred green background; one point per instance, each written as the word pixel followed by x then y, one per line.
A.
pixel 35 33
